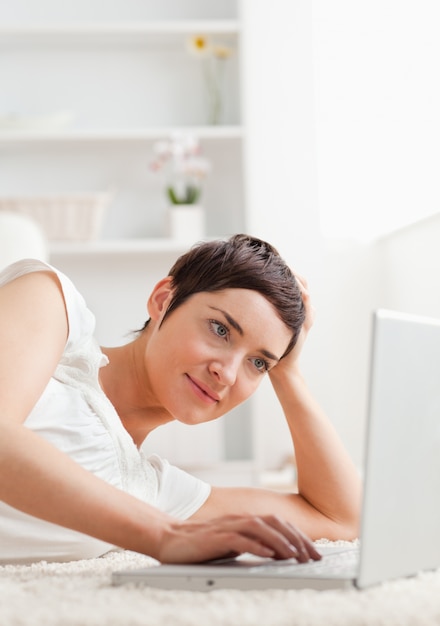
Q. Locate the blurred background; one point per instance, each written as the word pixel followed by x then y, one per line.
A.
pixel 312 124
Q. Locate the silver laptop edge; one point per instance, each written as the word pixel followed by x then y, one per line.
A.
pixel 401 512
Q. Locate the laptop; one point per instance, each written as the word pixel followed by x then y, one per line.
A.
pixel 400 518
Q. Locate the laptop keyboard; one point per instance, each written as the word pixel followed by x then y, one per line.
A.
pixel 338 564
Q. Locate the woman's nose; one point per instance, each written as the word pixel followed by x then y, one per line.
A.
pixel 225 370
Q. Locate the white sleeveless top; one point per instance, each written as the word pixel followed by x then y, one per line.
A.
pixel 76 416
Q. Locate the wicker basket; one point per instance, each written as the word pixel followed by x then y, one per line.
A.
pixel 65 217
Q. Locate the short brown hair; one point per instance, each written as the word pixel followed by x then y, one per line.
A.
pixel 240 262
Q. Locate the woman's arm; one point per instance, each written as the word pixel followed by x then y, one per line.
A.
pixel 328 499
pixel 38 479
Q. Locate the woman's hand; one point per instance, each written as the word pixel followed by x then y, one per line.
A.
pixel 232 535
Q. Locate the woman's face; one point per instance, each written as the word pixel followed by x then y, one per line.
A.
pixel 211 353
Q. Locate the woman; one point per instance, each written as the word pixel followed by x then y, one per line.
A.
pixel 74 481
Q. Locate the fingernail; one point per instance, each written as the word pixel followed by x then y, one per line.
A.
pixel 301 554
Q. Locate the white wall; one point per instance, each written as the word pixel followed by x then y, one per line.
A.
pixel 376 67
pixel 411 260
pixel 283 207
pixel 341 109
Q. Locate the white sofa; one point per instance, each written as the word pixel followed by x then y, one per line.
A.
pixel 20 237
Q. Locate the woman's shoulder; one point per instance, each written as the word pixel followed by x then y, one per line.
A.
pixel 81 320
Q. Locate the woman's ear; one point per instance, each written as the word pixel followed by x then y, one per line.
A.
pixel 160 298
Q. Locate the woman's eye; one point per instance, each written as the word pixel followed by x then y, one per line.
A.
pixel 261 365
pixel 219 329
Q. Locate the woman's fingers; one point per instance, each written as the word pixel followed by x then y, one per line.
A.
pixel 302 282
pixel 283 538
pixel 310 309
pixel 265 536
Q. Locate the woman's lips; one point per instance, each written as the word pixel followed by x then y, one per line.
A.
pixel 203 391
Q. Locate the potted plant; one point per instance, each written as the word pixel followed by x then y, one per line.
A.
pixel 184 168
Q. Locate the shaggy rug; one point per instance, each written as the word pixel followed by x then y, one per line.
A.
pixel 80 594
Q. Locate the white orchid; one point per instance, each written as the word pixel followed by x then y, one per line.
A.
pixel 184 166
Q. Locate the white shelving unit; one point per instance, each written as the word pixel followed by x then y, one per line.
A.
pixel 208 133
pixel 128 82
pixel 110 247
pixel 124 71
pixel 146 33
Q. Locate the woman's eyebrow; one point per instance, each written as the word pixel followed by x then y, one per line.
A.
pixel 239 329
pixel 230 320
pixel 269 355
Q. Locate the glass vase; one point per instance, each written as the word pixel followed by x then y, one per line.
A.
pixel 214 77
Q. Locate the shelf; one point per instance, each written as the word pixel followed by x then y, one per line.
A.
pixel 104 247
pixel 124 32
pixel 115 135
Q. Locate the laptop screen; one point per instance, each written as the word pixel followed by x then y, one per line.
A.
pixel 401 511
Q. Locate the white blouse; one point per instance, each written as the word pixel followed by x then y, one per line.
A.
pixel 76 416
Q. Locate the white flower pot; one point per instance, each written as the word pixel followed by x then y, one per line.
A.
pixel 186 222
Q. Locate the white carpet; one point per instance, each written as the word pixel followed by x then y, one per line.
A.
pixel 80 594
